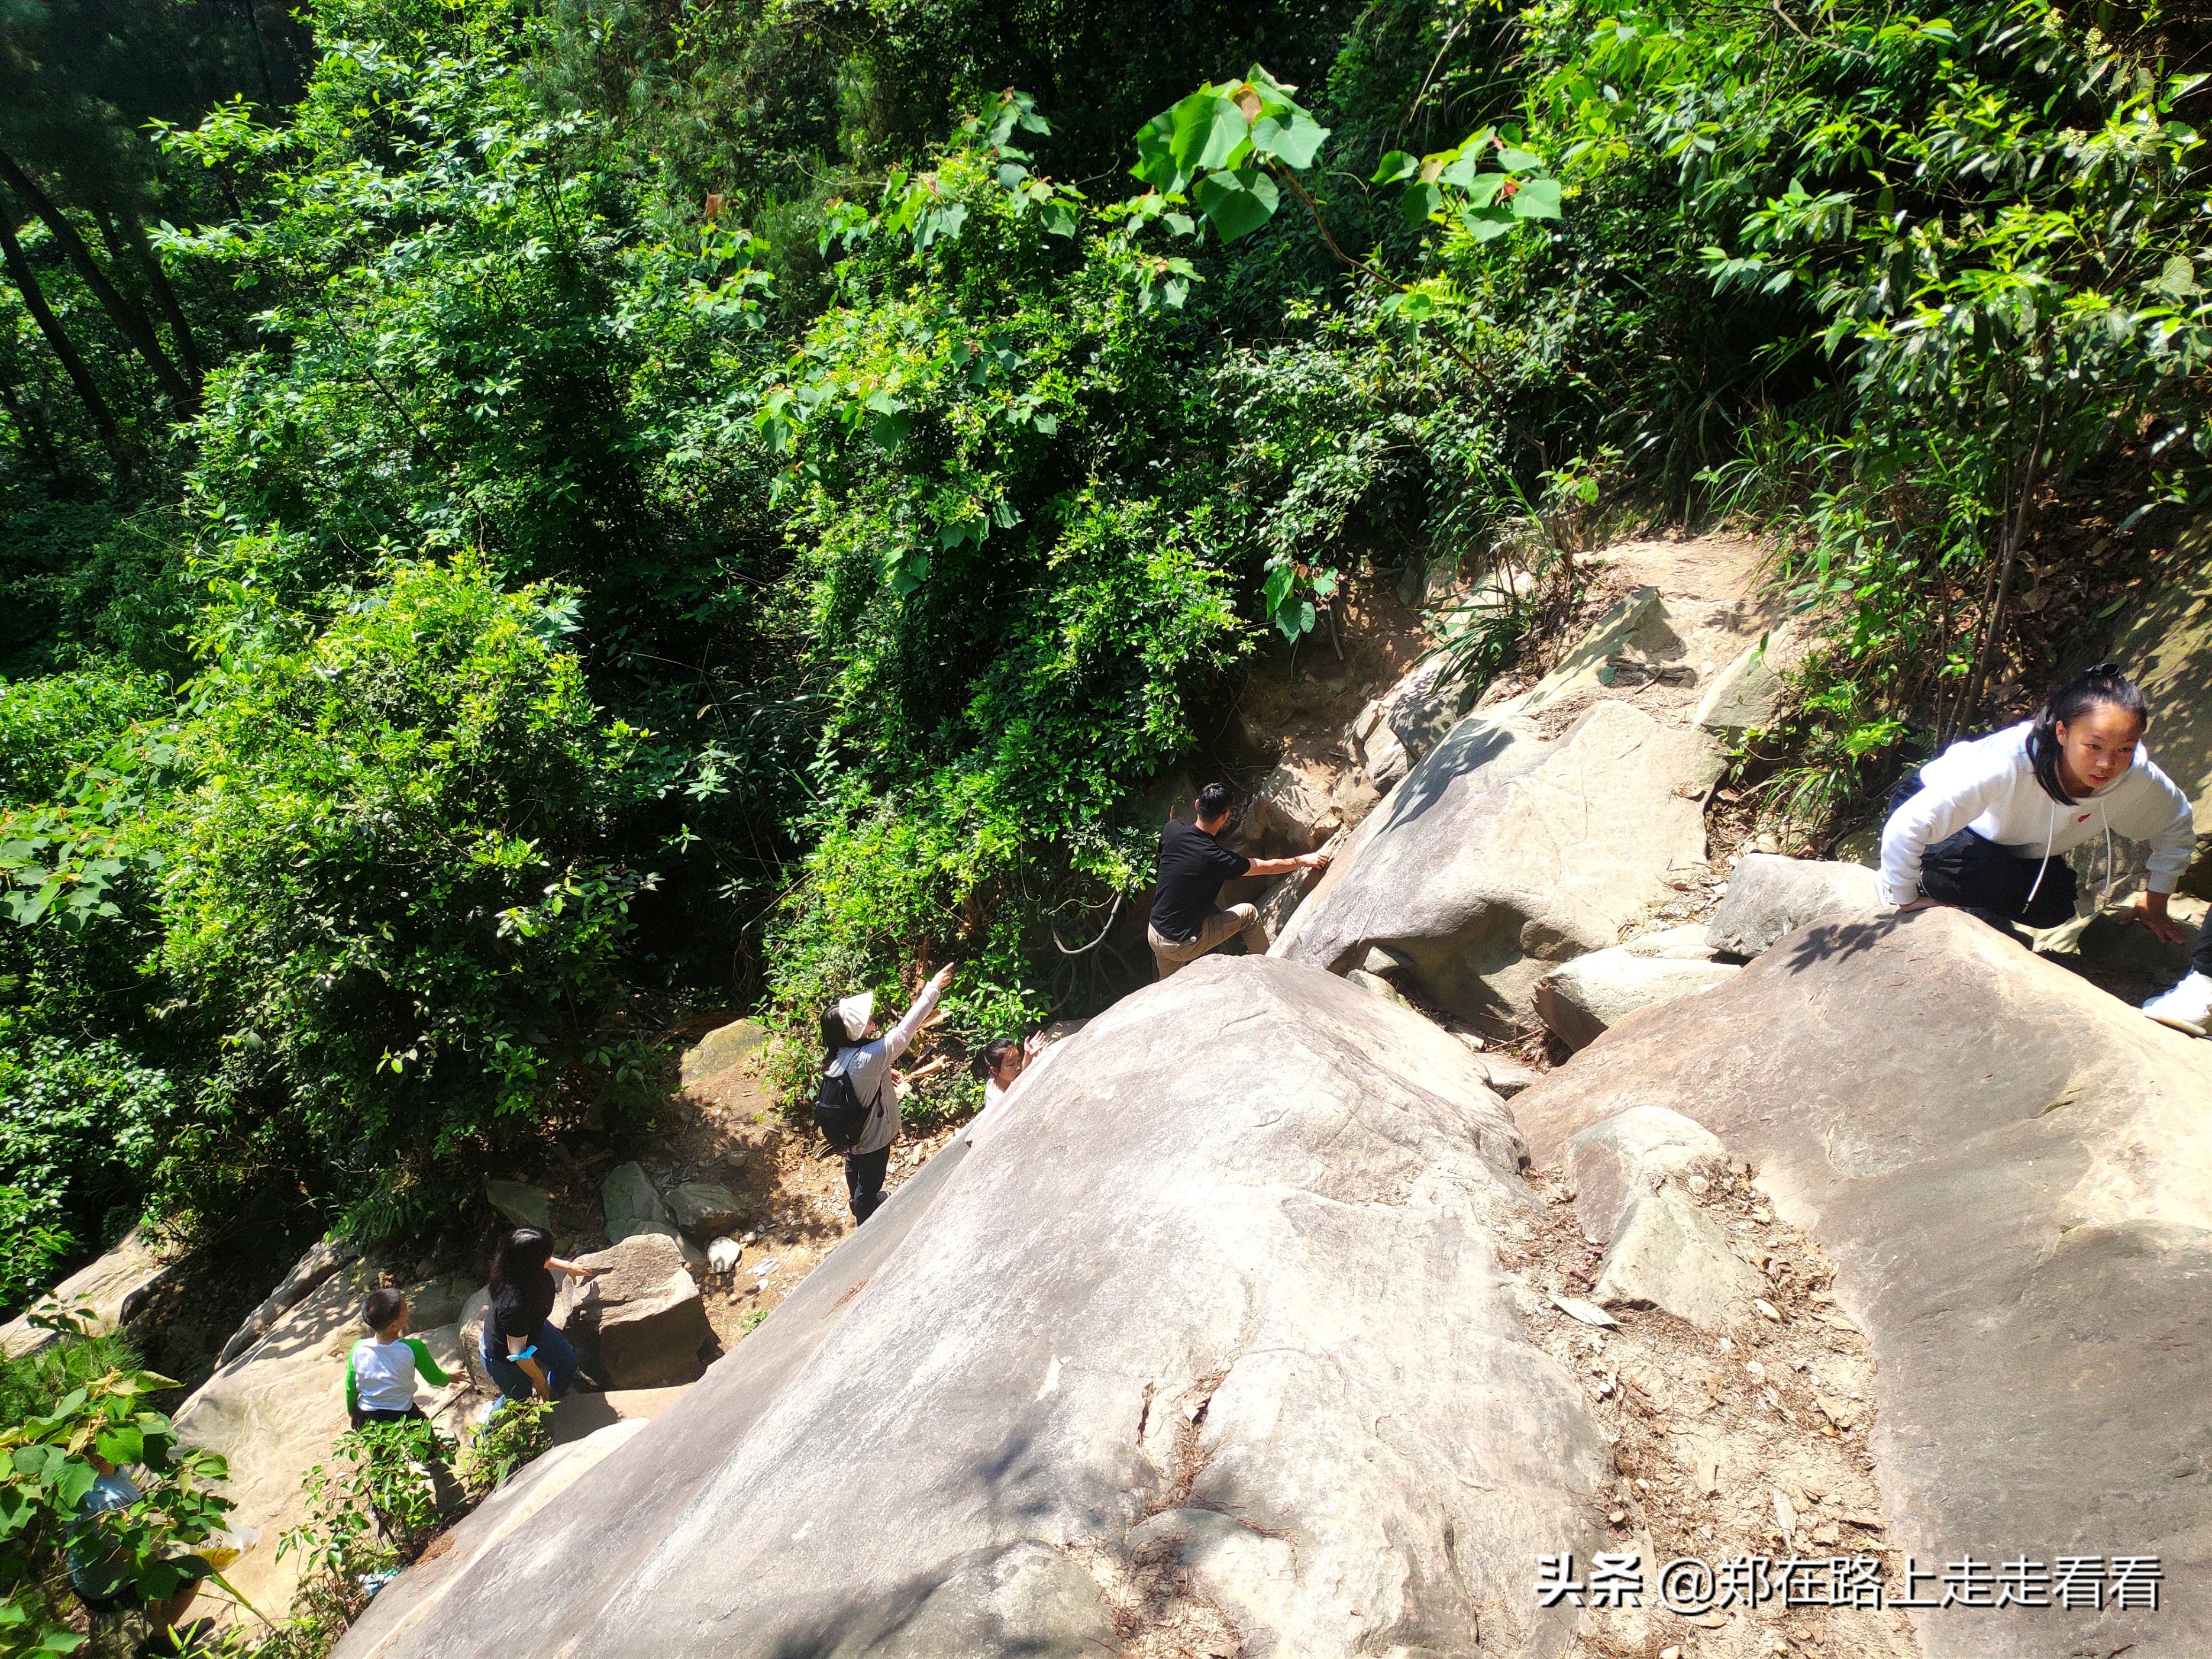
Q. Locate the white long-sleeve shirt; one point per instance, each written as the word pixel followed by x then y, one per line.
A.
pixel 869 1065
pixel 1988 786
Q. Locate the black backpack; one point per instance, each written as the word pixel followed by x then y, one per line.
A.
pixel 838 1112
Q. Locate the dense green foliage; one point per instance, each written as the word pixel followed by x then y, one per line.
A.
pixel 575 508
pixel 70 1415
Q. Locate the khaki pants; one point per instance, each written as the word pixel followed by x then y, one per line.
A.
pixel 1169 955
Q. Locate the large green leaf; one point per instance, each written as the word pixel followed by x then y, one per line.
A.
pixel 1537 198
pixel 1208 133
pixel 1294 141
pixel 1236 203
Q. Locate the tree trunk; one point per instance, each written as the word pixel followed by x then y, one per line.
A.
pixel 36 438
pixel 34 301
pixel 126 316
pixel 132 231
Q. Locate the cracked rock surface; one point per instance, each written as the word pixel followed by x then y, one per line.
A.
pixel 1207 1349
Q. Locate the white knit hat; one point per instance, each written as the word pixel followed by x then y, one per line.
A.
pixel 856 1011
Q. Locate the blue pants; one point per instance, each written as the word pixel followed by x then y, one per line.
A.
pixel 554 1356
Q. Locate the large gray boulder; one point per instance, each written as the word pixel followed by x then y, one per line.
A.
pixel 702 1208
pixel 1506 852
pixel 1769 896
pixel 2011 1171
pixel 1578 1000
pixel 1212 1330
pixel 640 1323
pixel 633 1204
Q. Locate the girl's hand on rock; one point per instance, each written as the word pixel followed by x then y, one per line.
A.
pixel 1923 902
pixel 2163 927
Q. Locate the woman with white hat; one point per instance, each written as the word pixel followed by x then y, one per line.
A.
pixel 851 1050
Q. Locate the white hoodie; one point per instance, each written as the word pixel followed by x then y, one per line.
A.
pixel 1987 786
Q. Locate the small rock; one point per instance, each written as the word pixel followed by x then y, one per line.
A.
pixel 1580 1000
pixel 1709 1475
pixel 1827 1533
pixel 1834 1410
pixel 632 1203
pixel 1670 1653
pixel 1611 1162
pixel 722 1254
pixel 1769 897
pixel 519 1204
pixel 1766 1309
pixel 1667 1254
pixel 1785 1513
pixel 702 1208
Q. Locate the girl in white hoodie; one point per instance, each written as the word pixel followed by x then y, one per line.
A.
pixel 1994 819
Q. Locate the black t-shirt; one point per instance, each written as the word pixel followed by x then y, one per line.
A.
pixel 519 1311
pixel 1193 866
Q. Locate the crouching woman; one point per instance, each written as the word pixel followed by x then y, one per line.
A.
pixel 1994 817
pixel 522 1350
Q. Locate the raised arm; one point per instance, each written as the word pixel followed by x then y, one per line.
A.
pixel 895 1040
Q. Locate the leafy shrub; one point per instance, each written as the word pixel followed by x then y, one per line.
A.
pixel 367 1513
pixel 46 1470
pixel 83 1129
pixel 519 1431
pixel 389 876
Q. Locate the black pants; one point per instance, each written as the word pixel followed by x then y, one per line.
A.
pixel 1976 874
pixel 413 1414
pixel 864 1180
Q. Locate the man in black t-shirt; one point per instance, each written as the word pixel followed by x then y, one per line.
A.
pixel 1185 926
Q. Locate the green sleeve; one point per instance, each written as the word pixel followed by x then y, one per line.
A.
pixel 427 1365
pixel 353 1388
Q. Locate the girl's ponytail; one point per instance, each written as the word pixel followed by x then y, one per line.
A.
pixel 2102 685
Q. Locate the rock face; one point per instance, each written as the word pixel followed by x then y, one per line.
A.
pixel 1397 728
pixel 108 1289
pixel 1265 1380
pixel 1769 896
pixel 641 1318
pixel 323 1258
pixel 2013 1174
pixel 1580 1000
pixel 274 1413
pixel 1504 853
pixel 1292 811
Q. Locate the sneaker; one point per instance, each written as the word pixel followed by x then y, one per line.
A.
pixel 2186 1007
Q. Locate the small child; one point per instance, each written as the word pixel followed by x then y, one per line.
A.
pixel 380 1371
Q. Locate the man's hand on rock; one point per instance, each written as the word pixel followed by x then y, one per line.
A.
pixel 1314 861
